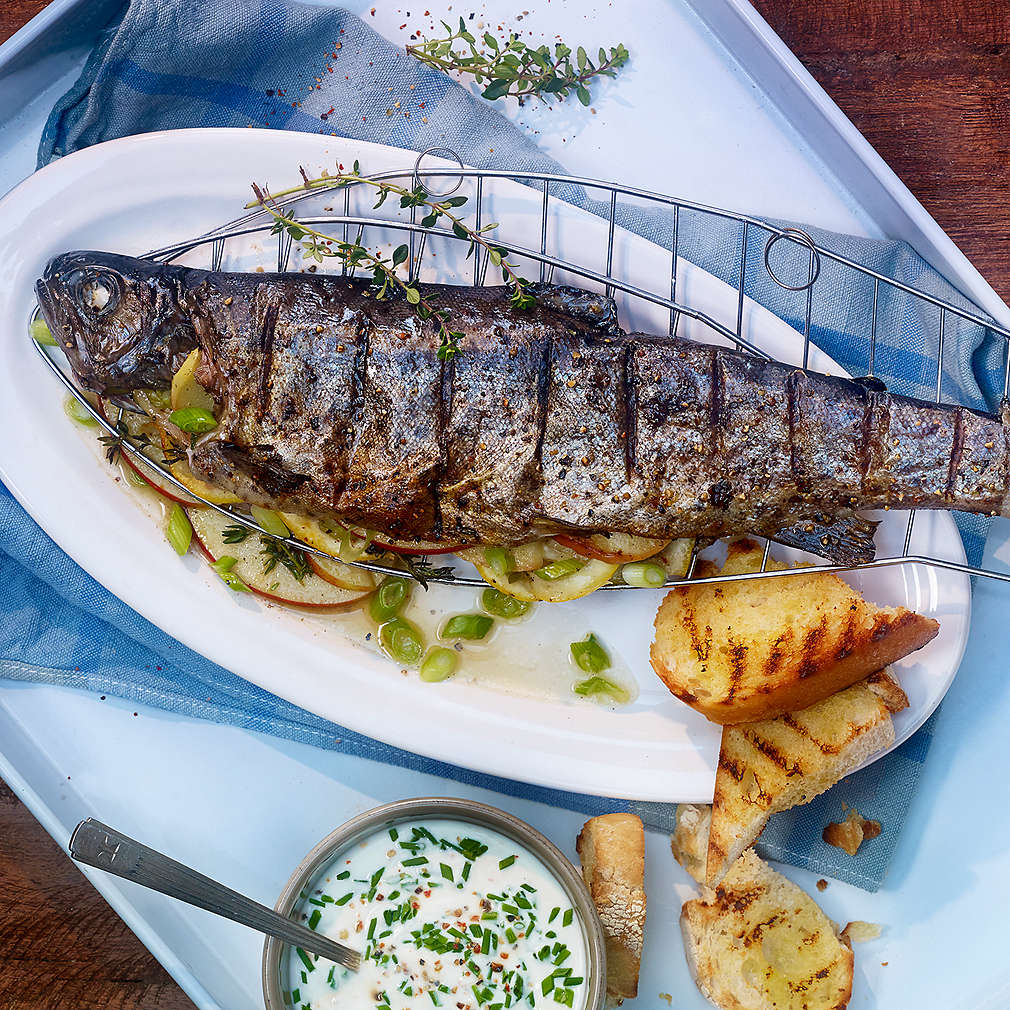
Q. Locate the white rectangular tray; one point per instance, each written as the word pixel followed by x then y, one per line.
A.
pixel 715 108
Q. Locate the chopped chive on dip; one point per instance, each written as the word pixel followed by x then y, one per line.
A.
pixel 445 913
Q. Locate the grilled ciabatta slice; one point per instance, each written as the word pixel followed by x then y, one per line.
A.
pixel 612 852
pixel 768 766
pixel 751 650
pixel 758 942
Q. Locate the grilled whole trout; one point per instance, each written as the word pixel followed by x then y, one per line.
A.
pixel 331 402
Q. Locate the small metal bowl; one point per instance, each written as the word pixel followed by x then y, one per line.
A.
pixel 480 814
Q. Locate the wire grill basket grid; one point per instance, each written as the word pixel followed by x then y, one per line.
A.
pixel 544 188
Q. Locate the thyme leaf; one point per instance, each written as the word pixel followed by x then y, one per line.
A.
pixel 514 68
pixel 386 279
pixel 277 552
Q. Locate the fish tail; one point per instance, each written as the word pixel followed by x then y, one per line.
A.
pixel 847 540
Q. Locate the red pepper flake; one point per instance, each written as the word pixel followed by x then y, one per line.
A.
pixel 403 26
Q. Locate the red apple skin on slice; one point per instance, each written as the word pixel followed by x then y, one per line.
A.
pixel 618 549
pixel 173 495
pixel 150 477
pixel 414 547
pixel 279 585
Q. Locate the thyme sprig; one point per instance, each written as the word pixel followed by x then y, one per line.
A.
pixel 514 68
pixel 416 567
pixel 114 443
pixel 318 246
pixel 276 552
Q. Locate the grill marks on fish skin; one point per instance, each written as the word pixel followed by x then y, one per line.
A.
pixel 334 403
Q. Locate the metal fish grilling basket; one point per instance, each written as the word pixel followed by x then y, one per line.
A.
pixel 538 235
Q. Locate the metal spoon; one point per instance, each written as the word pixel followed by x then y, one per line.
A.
pixel 98 845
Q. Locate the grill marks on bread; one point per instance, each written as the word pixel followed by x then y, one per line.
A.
pixel 744 651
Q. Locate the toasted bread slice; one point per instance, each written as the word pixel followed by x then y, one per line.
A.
pixel 758 942
pixel 751 650
pixel 768 766
pixel 612 851
pixel 689 841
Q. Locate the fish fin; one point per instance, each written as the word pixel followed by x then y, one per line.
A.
pixel 591 308
pixel 844 541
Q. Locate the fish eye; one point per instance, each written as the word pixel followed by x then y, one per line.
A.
pixel 96 291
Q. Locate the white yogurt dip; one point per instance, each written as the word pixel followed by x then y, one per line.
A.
pixel 446 914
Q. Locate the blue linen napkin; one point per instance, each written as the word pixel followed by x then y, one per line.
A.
pixel 169 64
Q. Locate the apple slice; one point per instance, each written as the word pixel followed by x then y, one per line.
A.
pixel 186 391
pixel 183 474
pixel 308 593
pixel 138 424
pixel 339 574
pixel 617 548
pixel 532 586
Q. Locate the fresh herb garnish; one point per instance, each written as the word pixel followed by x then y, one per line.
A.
pixel 235 534
pixel 319 246
pixel 277 552
pixel 114 443
pixel 514 68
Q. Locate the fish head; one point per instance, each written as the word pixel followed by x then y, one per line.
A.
pixel 117 319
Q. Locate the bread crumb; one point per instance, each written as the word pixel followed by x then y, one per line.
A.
pixel 822 884
pixel 862 932
pixel 850 834
pixel 667 996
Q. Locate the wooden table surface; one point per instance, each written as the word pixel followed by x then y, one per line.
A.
pixel 928 84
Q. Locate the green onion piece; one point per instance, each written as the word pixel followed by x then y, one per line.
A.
pixel 439 664
pixel 644 574
pixel 178 529
pixel 41 333
pixel 193 420
pixel 223 566
pixel 559 569
pixel 76 411
pixel 270 521
pixel 502 605
pixel 500 560
pixel 590 655
pixel 402 640
pixel 389 598
pixel 472 627
pixel 600 685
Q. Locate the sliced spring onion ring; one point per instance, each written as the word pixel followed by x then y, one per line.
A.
pixel 193 420
pixel 590 656
pixel 389 599
pixel 41 333
pixel 472 627
pixel 270 521
pixel 223 566
pixel 439 664
pixel 75 410
pixel 644 574
pixel 402 640
pixel 178 529
pixel 559 569
pixel 504 606
pixel 600 685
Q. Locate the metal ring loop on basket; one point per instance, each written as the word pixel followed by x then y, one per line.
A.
pixel 800 236
pixel 444 152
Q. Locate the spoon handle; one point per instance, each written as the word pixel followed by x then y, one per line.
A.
pixel 98 845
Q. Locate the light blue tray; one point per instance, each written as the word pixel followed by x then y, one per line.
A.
pixel 714 108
